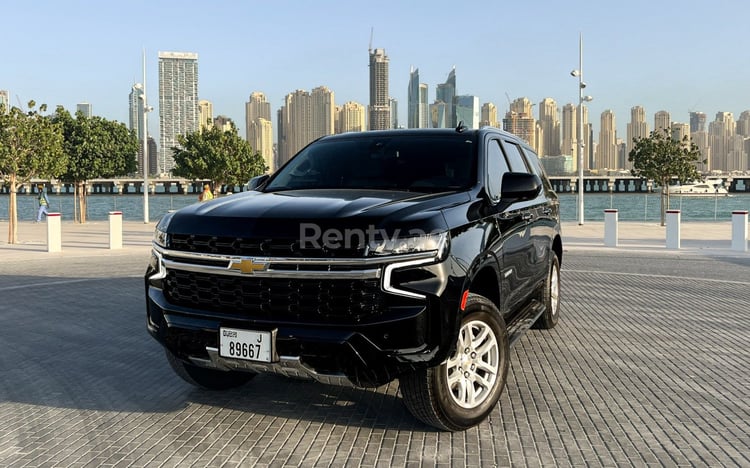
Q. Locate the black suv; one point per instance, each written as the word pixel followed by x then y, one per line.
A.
pixel 418 255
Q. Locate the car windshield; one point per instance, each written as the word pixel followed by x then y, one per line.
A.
pixel 419 163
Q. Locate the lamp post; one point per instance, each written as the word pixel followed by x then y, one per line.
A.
pixel 146 110
pixel 581 99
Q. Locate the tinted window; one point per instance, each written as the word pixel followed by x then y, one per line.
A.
pixel 423 163
pixel 496 167
pixel 515 158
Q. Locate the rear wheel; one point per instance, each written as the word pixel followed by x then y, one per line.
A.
pixel 462 391
pixel 210 379
pixel 550 296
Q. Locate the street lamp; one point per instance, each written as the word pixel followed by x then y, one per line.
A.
pixel 146 110
pixel 581 99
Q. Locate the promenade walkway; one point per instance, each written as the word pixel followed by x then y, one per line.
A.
pixel 649 365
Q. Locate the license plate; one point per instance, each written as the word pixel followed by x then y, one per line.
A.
pixel 246 344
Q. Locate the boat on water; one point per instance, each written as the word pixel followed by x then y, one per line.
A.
pixel 713 186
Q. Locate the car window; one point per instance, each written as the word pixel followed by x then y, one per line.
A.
pixel 515 157
pixel 426 163
pixel 496 167
pixel 537 168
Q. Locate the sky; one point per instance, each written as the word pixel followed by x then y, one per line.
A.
pixel 674 56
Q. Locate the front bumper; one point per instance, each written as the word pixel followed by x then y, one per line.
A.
pixel 366 341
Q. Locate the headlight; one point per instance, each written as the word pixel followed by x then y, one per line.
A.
pixel 406 245
pixel 160 233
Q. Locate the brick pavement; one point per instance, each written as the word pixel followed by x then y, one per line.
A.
pixel 649 365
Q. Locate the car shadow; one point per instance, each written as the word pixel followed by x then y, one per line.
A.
pixel 81 343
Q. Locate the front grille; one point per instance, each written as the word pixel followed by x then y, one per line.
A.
pixel 304 300
pixel 238 246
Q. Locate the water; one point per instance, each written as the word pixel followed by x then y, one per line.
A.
pixel 631 207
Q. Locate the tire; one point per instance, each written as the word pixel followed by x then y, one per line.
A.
pixel 550 297
pixel 439 396
pixel 209 379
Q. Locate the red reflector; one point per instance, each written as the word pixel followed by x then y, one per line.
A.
pixel 464 298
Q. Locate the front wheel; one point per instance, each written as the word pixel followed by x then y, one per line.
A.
pixel 209 379
pixel 462 391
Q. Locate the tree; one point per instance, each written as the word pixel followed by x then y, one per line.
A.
pixel 217 155
pixel 30 147
pixel 661 158
pixel 96 147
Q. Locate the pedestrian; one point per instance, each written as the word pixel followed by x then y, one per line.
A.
pixel 43 203
pixel 206 195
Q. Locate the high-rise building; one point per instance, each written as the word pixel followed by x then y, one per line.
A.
pixel 721 133
pixel 702 141
pixel 489 115
pixel 393 105
pixel 438 117
pixel 569 132
pixel 549 121
pixel 743 124
pixel 679 131
pixel 418 116
pixel 446 92
pixel 259 129
pixel 467 110
pixel 637 128
pixel 662 121
pixel 135 123
pixel 606 157
pixel 135 110
pixel 205 114
pixel 178 101
pixel 303 118
pixel 380 109
pixel 520 122
pixel 350 117
pixel 697 122
pixel 85 108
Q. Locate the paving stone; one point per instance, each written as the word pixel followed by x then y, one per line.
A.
pixel 649 365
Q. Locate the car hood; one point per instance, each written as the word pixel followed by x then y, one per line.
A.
pixel 285 214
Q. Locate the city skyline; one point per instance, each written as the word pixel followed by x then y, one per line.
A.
pixel 636 53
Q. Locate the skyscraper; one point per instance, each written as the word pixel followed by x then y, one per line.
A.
pixel 662 121
pixel 4 100
pixel 205 114
pixel 697 122
pixel 467 110
pixel 178 101
pixel 569 132
pixel 446 92
pixel 520 122
pixel 489 115
pixel 135 111
pixel 303 118
pixel 722 132
pixel 380 109
pixel 438 117
pixel 135 123
pixel 606 157
pixel 417 100
pixel 549 121
pixel 637 128
pixel 259 129
pixel 85 108
pixel 350 117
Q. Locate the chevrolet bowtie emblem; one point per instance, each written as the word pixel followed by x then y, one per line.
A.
pixel 248 266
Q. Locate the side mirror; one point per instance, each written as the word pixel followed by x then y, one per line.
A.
pixel 520 186
pixel 257 181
